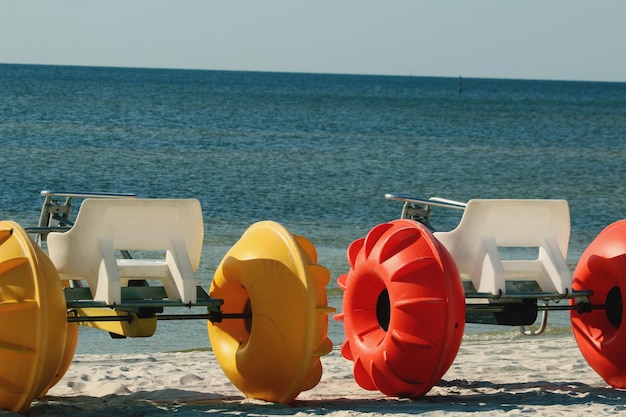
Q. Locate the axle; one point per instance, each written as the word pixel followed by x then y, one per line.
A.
pixel 212 316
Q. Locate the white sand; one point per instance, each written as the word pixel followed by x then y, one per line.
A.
pixel 544 376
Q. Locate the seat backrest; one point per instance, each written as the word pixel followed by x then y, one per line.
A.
pixel 487 225
pixel 103 226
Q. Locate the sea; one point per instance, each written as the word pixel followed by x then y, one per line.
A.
pixel 314 152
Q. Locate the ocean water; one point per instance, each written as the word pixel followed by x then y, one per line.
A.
pixel 314 152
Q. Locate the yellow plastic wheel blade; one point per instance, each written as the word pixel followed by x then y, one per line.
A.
pixel 271 274
pixel 33 317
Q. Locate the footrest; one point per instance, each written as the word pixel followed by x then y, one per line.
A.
pixel 138 297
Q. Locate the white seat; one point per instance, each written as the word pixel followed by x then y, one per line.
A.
pixel 487 225
pixel 171 226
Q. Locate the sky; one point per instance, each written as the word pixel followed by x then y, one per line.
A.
pixel 523 39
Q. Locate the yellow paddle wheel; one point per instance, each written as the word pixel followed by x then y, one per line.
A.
pixel 274 354
pixel 33 320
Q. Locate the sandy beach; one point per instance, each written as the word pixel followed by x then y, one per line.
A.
pixel 544 376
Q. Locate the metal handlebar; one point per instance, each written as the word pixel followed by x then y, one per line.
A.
pixel 432 201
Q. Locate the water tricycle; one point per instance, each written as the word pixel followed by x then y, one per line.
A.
pixel 123 260
pixel 409 291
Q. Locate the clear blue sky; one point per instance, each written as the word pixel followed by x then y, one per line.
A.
pixel 533 39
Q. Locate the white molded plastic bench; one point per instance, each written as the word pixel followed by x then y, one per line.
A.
pixel 487 225
pixel 87 250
